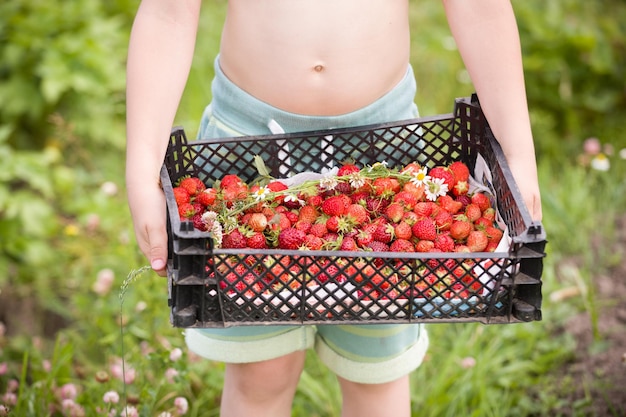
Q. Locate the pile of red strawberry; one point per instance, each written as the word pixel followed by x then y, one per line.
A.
pixel 370 209
pixel 385 212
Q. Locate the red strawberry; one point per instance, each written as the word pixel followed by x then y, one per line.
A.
pixel 207 197
pixel 318 229
pixel 481 200
pixel 186 211
pixel 449 204
pixel 376 205
pixel 403 230
pixel 494 234
pixel 290 238
pixel 229 180
pixel 386 186
pixel 490 214
pixel 444 243
pixel 314 200
pixel 308 214
pixel 313 242
pixel 334 205
pixel 406 198
pixel 417 191
pixel 423 209
pixel 256 241
pixel 424 246
pixel 279 222
pixel 444 173
pixel 358 214
pixel 198 223
pixel 460 170
pixel 482 223
pixel 425 229
pixel 460 188
pixel 302 225
pixel 257 222
pixel 234 240
pixel 378 246
pixel 460 228
pixel 394 212
pixel 193 185
pixel 181 195
pixel 332 224
pixel 348 244
pixel 443 220
pixel 347 169
pixel 473 212
pixel 401 245
pixel 477 241
pixel 364 237
pixel 383 232
pixel 276 186
pixel 411 168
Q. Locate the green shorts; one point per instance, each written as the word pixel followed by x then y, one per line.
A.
pixel 368 353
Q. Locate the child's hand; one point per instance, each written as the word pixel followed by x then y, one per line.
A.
pixel 526 179
pixel 147 205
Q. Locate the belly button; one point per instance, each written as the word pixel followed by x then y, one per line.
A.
pixel 318 68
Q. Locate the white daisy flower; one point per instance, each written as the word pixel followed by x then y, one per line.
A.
pixel 261 194
pixel 420 177
pixel 435 187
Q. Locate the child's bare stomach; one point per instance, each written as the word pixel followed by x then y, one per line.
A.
pixel 318 57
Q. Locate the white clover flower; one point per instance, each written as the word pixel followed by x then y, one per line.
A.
pixel 176 354
pixel 261 194
pixel 600 162
pixel 420 177
pixel 356 180
pixel 434 188
pixel 329 182
pixel 215 228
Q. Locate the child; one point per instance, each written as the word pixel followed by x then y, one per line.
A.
pixel 306 65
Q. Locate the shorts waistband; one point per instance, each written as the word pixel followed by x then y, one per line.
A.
pixel 251 116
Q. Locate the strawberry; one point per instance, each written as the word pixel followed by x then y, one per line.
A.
pixel 313 242
pixel 403 230
pixel 383 232
pixel 186 211
pixel 308 213
pixel 444 173
pixel 193 185
pixel 181 195
pixel 401 245
pixel 257 222
pixel 494 234
pixel 256 241
pixel 417 191
pixel 357 214
pixel 347 169
pixel 425 229
pixel 290 238
pixel 481 200
pixel 443 220
pixel 394 212
pixel 279 222
pixel 234 240
pixel 460 228
pixel 364 238
pixel 449 204
pixel 411 168
pixel 460 188
pixel 292 216
pixel 386 186
pixel 334 206
pixel 229 180
pixel 302 225
pixel 318 229
pixel 332 224
pixel 477 241
pixel 314 200
pixel 490 214
pixel 406 199
pixel 276 186
pixel 460 170
pixel 348 244
pixel 423 209
pixel 198 223
pixel 376 205
pixel 378 246
pixel 444 243
pixel 424 246
pixel 482 223
pixel 473 212
pixel 207 197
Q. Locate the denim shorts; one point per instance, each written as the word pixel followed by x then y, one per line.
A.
pixel 367 353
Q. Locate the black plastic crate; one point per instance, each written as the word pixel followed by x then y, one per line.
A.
pixel 224 287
